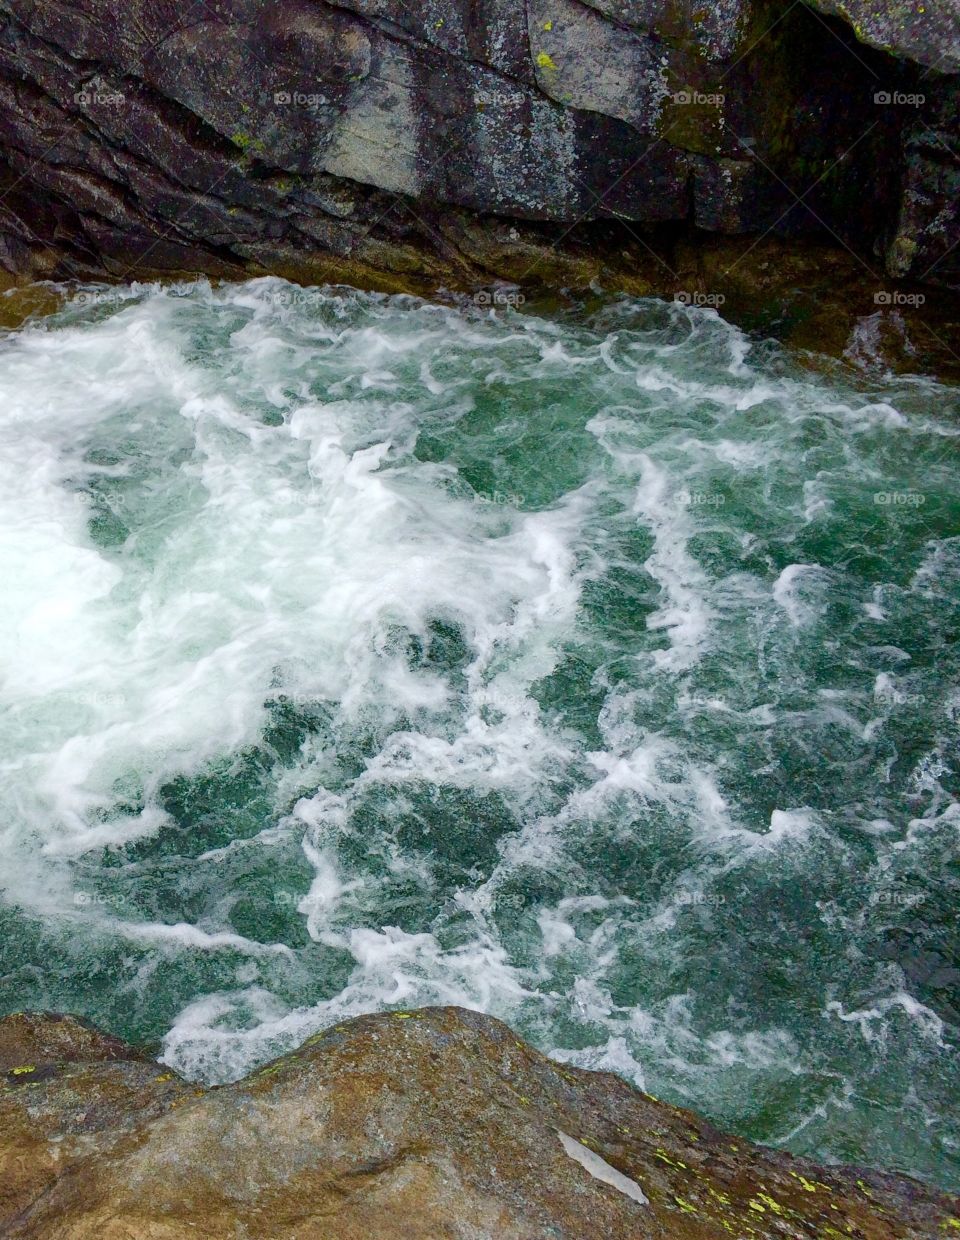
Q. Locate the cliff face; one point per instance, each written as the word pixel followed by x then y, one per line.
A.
pixel 449 139
pixel 432 1123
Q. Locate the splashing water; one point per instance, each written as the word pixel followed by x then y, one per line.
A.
pixel 595 670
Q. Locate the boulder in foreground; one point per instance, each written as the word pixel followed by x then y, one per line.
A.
pixel 433 1123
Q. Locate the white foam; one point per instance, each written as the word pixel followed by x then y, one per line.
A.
pixel 222 1037
pixel 685 614
pixel 873 1021
pixel 285 540
pixel 284 545
pixel 788 592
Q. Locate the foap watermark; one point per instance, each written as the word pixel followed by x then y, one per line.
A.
pixel 311 703
pixel 895 297
pixel 300 901
pixel 897 98
pixel 93 697
pixel 899 499
pixel 297 298
pixel 684 298
pixel 98 93
pixel 498 297
pixel 897 899
pixel 699 899
pixel 112 500
pixel 303 499
pixel 895 697
pixel 299 99
pixel 495 98
pixel 698 98
pixel 100 297
pixel 99 899
pixel 87 503
pixel 506 499
pixel 701 499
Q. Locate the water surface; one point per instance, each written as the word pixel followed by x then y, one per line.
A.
pixel 596 669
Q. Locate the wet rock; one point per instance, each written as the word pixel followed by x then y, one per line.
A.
pixel 68 1094
pixel 302 138
pixel 926 33
pixel 926 243
pixel 42 1038
pixel 436 1122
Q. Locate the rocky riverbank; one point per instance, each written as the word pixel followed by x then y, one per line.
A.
pixel 431 1123
pixel 382 142
pixel 795 165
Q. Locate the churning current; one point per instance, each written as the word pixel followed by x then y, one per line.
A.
pixel 597 669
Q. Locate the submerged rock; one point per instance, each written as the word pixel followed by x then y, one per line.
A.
pixel 432 1123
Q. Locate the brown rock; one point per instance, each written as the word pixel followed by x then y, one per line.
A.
pixel 432 1123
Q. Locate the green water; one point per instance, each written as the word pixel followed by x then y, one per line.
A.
pixel 597 670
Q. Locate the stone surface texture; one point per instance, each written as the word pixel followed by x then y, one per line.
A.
pixel 389 142
pixel 433 1123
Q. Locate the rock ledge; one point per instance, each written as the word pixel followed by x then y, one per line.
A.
pixel 432 1123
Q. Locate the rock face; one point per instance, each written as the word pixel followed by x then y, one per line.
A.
pixel 447 140
pixel 432 1123
pixel 926 33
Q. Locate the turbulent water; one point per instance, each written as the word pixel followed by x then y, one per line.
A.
pixel 594 669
